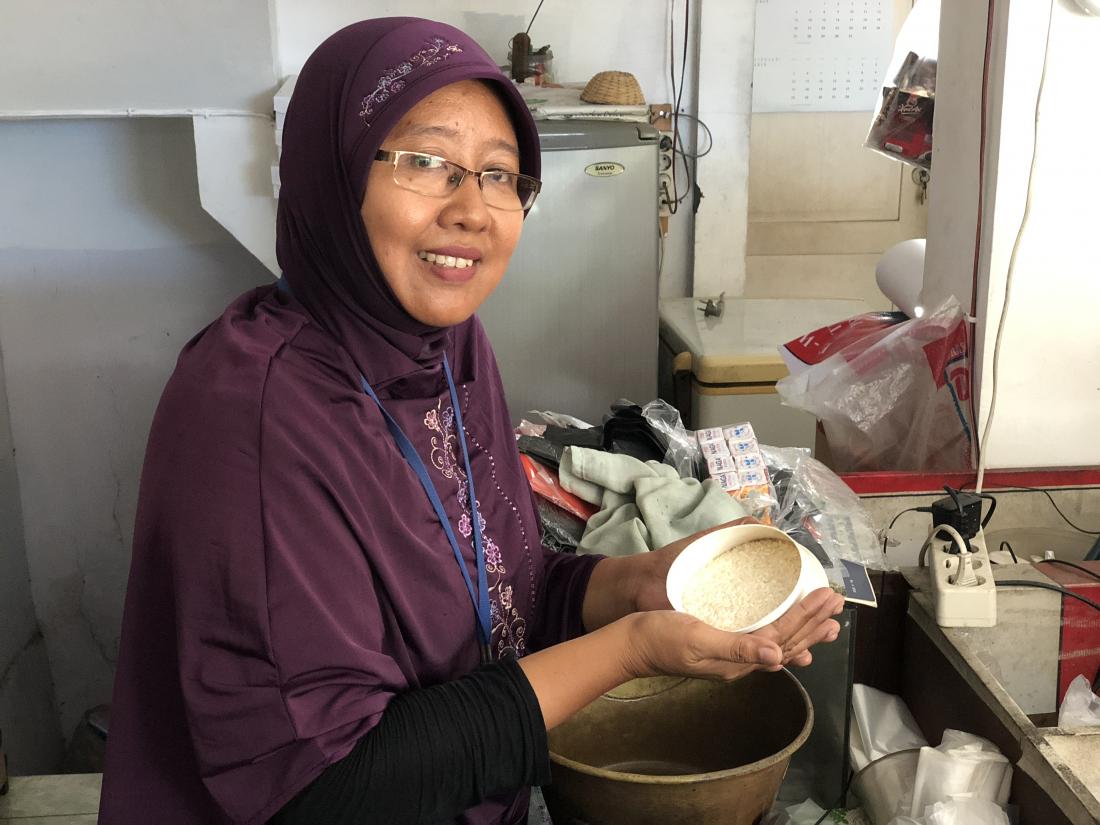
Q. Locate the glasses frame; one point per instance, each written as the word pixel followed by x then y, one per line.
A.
pixel 394 156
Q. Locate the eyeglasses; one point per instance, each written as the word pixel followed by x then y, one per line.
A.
pixel 438 177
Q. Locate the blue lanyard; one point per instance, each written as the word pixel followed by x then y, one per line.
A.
pixel 480 598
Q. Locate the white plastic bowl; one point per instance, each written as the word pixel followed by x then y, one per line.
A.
pixel 700 552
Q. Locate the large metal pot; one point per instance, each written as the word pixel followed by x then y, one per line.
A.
pixel 661 751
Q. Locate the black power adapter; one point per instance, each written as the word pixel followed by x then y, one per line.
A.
pixel 963 511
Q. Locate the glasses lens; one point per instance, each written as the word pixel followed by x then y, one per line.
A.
pixel 425 174
pixel 500 189
pixel 527 190
pixel 509 190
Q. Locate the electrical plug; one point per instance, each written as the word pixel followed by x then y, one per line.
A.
pixel 965 576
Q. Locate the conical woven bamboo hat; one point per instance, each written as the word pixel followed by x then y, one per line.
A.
pixel 613 87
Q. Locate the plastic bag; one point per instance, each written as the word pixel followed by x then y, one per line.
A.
pixel 900 403
pixel 1081 707
pixel 545 484
pixel 957 812
pixel 683 450
pixel 882 725
pixel 965 812
pixel 902 126
pixel 561 530
pixel 560 419
pixel 963 764
pixel 814 507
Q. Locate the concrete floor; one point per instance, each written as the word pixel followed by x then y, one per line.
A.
pixel 71 799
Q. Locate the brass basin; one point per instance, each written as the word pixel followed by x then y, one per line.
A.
pixel 661 751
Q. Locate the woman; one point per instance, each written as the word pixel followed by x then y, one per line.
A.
pixel 338 609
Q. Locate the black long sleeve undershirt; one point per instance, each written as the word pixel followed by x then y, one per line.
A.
pixel 436 752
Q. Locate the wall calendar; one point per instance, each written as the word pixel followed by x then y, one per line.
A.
pixel 821 55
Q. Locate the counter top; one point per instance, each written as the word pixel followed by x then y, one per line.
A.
pixel 1011 668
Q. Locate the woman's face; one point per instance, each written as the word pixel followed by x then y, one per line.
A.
pixel 467 124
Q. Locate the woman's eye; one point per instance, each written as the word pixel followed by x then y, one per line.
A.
pixel 499 177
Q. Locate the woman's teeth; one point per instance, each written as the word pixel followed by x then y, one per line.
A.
pixel 445 260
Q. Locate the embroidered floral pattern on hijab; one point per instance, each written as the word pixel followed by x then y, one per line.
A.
pixel 392 81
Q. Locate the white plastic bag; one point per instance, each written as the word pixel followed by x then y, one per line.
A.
pixel 882 724
pixel 963 765
pixel 804 813
pixel 898 399
pixel 965 812
pixel 1081 707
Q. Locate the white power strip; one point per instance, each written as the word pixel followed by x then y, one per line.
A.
pixel 958 603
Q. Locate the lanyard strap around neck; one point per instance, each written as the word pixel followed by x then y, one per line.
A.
pixel 480 597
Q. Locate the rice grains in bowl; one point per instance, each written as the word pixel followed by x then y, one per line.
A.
pixel 743 584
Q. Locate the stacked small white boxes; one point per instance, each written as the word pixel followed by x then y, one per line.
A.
pixel 733 459
pixel 282 101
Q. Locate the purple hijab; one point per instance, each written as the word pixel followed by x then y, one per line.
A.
pixel 289 576
pixel 349 95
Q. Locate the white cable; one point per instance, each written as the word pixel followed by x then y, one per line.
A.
pixel 956 537
pixel 984 445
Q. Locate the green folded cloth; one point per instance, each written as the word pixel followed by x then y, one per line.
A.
pixel 643 505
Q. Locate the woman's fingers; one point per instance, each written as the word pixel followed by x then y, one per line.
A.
pixel 817 613
pixel 804 614
pixel 802 659
pixel 826 632
pixel 738 648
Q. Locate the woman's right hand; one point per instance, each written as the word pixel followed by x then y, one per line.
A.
pixel 667 643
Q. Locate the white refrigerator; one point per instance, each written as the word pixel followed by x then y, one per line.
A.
pixel 574 320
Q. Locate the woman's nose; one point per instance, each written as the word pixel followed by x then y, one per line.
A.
pixel 466 206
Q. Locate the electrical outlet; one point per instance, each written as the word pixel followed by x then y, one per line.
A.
pixel 960 603
pixel 660 116
pixel 665 194
pixel 666 190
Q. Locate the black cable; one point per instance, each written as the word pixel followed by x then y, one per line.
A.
pixel 1065 518
pixel 1084 570
pixel 1045 586
pixel 839 802
pixel 673 203
pixel 886 532
pixel 885 538
pixel 533 16
pixel 992 508
pixel 1011 552
pixel 677 143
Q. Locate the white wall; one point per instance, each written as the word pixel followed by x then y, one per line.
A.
pixel 66 55
pixel 28 719
pixel 725 102
pixel 1048 398
pixel 953 189
pixel 628 35
pixel 1049 381
pixel 107 267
